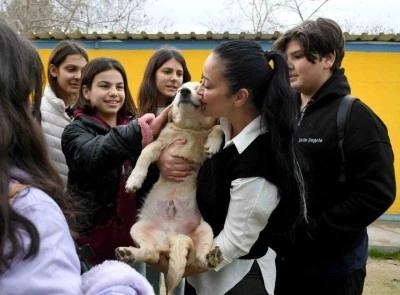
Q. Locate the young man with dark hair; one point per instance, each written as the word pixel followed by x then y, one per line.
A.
pixel 329 254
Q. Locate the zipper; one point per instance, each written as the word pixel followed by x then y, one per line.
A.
pixel 310 102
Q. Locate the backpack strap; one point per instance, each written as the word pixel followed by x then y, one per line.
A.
pixel 342 119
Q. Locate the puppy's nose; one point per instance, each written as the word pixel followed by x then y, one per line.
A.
pixel 185 91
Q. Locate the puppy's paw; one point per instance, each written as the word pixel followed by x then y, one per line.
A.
pixel 214 257
pixel 212 146
pixel 133 184
pixel 210 149
pixel 214 141
pixel 125 255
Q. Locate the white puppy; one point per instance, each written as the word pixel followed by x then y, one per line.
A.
pixel 169 222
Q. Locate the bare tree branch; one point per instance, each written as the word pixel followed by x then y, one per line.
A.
pixel 74 15
pixel 296 7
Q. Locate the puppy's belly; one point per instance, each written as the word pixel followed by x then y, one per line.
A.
pixel 174 210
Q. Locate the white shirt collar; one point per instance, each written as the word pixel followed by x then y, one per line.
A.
pixel 246 136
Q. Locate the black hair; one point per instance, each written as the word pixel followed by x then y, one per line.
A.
pixel 265 76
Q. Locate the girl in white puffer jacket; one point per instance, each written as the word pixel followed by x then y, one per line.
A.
pixel 64 74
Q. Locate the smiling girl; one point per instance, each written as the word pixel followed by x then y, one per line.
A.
pixel 64 74
pixel 165 72
pixel 100 147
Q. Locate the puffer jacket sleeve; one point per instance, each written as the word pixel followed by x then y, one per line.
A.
pixel 88 150
pixel 115 277
pixel 56 268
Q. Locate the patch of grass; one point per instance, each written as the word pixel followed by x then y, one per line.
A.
pixel 378 254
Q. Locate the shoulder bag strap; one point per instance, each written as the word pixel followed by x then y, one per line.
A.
pixel 342 119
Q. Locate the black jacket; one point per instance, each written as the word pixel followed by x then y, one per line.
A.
pixel 95 155
pixel 340 212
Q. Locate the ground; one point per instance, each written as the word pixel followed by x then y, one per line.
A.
pixel 383 277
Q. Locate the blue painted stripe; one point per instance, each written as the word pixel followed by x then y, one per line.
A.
pixel 373 47
pixel 390 217
pixel 202 45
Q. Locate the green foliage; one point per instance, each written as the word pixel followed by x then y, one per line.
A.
pixel 379 254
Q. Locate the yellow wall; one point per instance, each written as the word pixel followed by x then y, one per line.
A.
pixel 374 77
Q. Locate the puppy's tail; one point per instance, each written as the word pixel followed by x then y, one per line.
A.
pixel 180 247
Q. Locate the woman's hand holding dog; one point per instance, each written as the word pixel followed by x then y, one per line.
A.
pixel 174 168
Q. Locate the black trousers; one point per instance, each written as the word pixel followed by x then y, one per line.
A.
pixel 252 283
pixel 292 280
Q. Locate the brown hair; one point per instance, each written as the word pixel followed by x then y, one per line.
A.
pixel 60 52
pixel 147 95
pixel 22 144
pixel 94 67
pixel 318 39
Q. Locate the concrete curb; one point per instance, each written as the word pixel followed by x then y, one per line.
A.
pixel 384 235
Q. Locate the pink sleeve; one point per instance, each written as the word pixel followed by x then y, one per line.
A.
pixel 147 134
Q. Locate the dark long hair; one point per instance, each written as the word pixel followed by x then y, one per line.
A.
pixel 60 52
pixel 93 68
pixel 22 145
pixel 265 75
pixel 147 95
